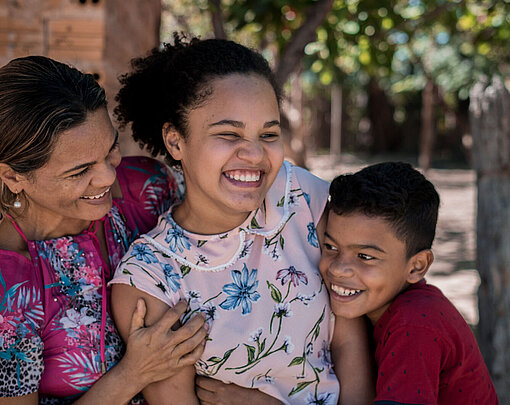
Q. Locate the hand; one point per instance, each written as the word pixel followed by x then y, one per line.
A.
pixel 157 352
pixel 215 392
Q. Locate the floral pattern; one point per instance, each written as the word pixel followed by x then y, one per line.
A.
pixel 51 306
pixel 259 287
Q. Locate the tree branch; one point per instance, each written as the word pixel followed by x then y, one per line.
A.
pixel 293 52
pixel 217 19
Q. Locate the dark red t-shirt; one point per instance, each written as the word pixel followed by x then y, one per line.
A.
pixel 427 354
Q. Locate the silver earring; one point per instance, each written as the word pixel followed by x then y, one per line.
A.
pixel 17 202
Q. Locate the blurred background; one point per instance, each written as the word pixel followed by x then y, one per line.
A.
pixel 365 81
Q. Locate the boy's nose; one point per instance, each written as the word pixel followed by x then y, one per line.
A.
pixel 341 268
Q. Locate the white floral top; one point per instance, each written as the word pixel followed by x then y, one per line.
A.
pixel 259 286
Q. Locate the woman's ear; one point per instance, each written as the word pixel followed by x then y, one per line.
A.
pixel 12 180
pixel 419 265
pixel 173 140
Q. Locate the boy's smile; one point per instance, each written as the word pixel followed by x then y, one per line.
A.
pixel 364 265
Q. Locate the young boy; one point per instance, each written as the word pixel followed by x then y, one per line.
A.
pixel 375 255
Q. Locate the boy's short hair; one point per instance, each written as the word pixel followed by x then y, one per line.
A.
pixel 396 192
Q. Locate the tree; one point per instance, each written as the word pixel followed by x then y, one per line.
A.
pixel 490 106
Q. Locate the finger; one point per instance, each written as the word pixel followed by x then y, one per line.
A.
pixel 189 328
pixel 138 318
pixel 205 396
pixel 182 348
pixel 191 357
pixel 206 383
pixel 170 317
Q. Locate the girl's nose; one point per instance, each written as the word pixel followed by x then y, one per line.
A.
pixel 251 151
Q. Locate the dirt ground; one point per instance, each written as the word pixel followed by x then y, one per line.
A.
pixel 453 270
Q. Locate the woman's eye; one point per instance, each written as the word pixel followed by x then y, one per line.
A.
pixel 327 246
pixel 80 174
pixel 364 256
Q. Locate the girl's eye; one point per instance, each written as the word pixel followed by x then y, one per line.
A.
pixel 80 174
pixel 364 256
pixel 270 136
pixel 230 136
pixel 327 246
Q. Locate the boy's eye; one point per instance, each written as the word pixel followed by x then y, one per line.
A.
pixel 79 174
pixel 364 256
pixel 327 246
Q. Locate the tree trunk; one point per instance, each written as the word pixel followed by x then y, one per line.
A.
pixel 490 125
pixel 217 19
pixel 336 121
pixel 428 125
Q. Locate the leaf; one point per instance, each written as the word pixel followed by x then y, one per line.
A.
pixel 201 243
pixel 254 224
pixel 280 203
pixel 185 270
pixel 214 359
pixel 276 295
pixel 295 361
pixel 316 333
pixel 300 387
pixel 229 352
pixel 262 346
pixel 251 352
pixel 282 241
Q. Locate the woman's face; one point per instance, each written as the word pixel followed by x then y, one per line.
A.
pixel 75 182
pixel 232 153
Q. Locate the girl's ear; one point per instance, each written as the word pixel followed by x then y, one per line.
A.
pixel 173 140
pixel 13 181
pixel 419 265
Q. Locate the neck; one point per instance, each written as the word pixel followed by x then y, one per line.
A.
pixel 40 227
pixel 205 222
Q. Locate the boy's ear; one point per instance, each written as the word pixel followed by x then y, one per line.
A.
pixel 12 180
pixel 419 265
pixel 173 140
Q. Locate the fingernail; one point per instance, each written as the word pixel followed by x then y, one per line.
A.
pixel 207 326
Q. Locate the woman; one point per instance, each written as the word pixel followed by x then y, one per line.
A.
pixel 70 207
pixel 242 247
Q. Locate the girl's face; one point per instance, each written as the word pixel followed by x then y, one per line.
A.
pixel 231 155
pixel 75 183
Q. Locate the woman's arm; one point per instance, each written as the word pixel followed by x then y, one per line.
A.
pixel 177 383
pixel 153 353
pixel 353 360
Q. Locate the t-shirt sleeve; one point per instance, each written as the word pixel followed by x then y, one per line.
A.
pixel 150 183
pixel 21 320
pixel 315 191
pixel 143 267
pixel 408 366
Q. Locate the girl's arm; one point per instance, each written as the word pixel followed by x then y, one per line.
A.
pixel 353 360
pixel 176 384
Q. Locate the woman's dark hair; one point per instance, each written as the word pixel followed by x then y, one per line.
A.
pixel 40 98
pixel 173 79
pixel 395 192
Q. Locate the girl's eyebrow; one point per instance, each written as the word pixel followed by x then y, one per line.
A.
pixel 239 124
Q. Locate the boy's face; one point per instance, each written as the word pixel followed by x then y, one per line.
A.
pixel 363 265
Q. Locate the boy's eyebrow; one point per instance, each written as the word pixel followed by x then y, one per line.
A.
pixel 87 164
pixel 361 246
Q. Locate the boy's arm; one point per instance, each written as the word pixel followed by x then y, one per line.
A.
pixel 354 365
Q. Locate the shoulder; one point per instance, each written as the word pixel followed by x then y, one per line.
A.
pixel 149 181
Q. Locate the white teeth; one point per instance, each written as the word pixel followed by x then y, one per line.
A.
pixel 96 197
pixel 344 292
pixel 245 177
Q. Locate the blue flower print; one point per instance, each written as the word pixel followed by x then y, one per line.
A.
pixel 172 278
pixel 177 240
pixel 307 198
pixel 143 252
pixel 312 235
pixel 242 291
